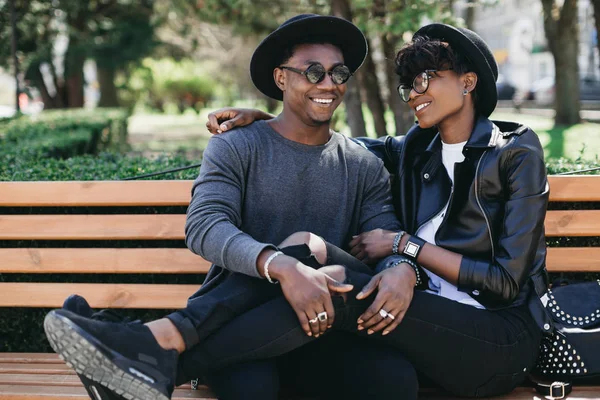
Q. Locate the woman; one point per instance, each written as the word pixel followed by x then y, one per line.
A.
pixel 471 196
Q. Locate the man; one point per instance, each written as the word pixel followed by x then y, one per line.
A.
pixel 258 186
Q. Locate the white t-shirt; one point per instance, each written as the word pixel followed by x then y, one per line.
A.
pixel 451 154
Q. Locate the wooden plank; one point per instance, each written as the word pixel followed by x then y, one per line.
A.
pixel 573 223
pixel 30 358
pixel 574 188
pixel 21 392
pixel 33 368
pixel 95 193
pixel 49 380
pixel 170 226
pixel 573 259
pixel 178 192
pixel 99 295
pixel 95 260
pixel 174 261
pixel 92 227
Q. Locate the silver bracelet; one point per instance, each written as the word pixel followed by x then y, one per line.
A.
pixel 266 266
pixel 397 240
pixel 414 266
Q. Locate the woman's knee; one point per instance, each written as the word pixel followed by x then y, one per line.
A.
pixel 315 243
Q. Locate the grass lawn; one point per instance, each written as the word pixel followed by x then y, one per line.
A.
pixel 570 142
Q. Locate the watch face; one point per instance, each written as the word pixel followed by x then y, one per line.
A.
pixel 411 249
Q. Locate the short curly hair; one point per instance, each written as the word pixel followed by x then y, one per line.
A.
pixel 424 53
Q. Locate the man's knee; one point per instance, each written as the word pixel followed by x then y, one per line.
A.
pixel 314 242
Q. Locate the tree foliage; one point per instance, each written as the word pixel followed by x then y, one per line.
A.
pixel 114 33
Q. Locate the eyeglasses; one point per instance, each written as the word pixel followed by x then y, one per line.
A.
pixel 315 73
pixel 420 84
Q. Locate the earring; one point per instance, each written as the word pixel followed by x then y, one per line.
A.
pixel 465 92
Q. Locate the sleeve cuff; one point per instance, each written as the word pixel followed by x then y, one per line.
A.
pixel 472 274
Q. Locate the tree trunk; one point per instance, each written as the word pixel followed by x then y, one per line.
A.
pixel 470 14
pixel 74 60
pixel 403 115
pixel 369 83
pixel 560 25
pixel 596 4
pixel 108 90
pixel 35 76
pixel 354 115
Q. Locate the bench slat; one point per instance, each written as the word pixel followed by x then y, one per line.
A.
pixel 574 188
pixel 171 226
pixel 178 192
pixel 33 368
pixel 95 193
pixel 175 261
pixel 21 392
pixel 92 227
pixel 50 380
pixel 99 295
pixel 95 260
pixel 32 358
pixel 573 223
pixel 573 259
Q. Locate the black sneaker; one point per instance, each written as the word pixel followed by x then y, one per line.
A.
pixel 124 357
pixel 80 306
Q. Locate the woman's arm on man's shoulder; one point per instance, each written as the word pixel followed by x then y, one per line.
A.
pixel 225 119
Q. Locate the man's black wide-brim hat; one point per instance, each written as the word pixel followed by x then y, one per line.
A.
pixel 303 27
pixel 471 45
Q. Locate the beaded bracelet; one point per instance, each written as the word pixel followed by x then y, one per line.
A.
pixel 414 266
pixel 396 244
pixel 266 267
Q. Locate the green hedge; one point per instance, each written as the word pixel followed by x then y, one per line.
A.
pixel 21 328
pixel 64 133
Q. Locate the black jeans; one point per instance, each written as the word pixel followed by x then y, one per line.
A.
pixel 465 350
pixel 339 365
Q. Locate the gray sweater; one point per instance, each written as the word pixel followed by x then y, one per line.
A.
pixel 255 188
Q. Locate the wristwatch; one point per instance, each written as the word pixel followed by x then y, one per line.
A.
pixel 413 247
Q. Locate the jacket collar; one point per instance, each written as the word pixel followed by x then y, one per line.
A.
pixel 485 135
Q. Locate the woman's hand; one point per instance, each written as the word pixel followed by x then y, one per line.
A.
pixel 395 288
pixel 224 119
pixel 373 245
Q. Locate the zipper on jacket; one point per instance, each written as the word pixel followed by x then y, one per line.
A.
pixel 487 222
pixel 445 217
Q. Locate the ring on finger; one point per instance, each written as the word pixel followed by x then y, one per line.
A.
pixel 322 316
pixel 313 321
pixel 385 314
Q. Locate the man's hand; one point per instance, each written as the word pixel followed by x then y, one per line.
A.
pixel 373 245
pixel 395 291
pixel 224 119
pixel 309 293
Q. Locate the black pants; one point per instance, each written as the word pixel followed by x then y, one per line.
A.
pixel 467 351
pixel 340 365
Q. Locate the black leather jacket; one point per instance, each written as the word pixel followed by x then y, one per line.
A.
pixel 495 218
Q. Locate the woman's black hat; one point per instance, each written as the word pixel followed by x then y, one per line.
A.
pixel 471 45
pixel 299 29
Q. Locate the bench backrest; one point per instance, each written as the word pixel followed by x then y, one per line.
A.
pixel 49 224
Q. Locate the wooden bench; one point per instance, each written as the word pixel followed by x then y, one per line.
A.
pixel 44 376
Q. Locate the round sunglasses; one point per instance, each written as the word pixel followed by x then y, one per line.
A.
pixel 420 84
pixel 315 73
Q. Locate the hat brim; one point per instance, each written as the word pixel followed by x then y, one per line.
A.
pixel 488 99
pixel 346 35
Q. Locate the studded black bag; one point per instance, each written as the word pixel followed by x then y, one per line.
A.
pixel 572 352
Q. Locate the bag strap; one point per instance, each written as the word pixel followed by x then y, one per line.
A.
pixel 554 390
